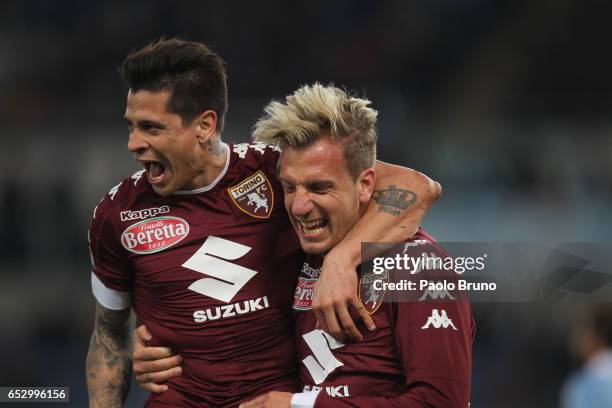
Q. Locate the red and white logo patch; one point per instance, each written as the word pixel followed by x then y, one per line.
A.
pixel 254 195
pixel 154 235
pixel 302 298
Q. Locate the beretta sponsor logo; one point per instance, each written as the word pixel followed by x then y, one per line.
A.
pixel 302 298
pixel 154 235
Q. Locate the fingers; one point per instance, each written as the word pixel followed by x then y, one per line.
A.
pixel 151 353
pixel 142 351
pixel 142 335
pixel 320 318
pixel 366 318
pixel 151 374
pixel 327 320
pixel 347 323
pixel 333 327
pixel 154 388
pixel 338 322
pixel 156 366
pixel 153 365
pixel 156 379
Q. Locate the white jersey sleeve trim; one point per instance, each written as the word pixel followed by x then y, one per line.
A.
pixel 107 297
pixel 304 399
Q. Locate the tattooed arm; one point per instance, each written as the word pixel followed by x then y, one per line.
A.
pixel 109 369
pixel 401 198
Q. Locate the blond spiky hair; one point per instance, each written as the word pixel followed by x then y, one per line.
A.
pixel 315 111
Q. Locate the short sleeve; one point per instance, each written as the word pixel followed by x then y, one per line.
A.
pixel 111 274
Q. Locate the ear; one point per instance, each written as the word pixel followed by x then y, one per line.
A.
pixel 366 182
pixel 205 125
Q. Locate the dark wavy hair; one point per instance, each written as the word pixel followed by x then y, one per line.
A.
pixel 195 76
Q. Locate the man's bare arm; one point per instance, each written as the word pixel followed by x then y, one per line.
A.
pixel 401 199
pixel 108 368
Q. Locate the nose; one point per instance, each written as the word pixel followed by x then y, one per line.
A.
pixel 301 204
pixel 136 142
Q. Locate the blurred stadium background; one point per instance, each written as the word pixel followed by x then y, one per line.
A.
pixel 506 103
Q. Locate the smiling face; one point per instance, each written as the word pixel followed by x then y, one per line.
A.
pixel 321 197
pixel 174 156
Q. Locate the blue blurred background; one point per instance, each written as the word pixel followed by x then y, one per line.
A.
pixel 507 103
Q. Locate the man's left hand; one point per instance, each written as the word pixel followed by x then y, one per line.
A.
pixel 334 294
pixel 274 399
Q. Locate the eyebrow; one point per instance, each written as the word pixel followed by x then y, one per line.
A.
pixel 145 122
pixel 281 179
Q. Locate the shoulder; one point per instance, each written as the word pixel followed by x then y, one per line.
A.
pixel 423 243
pixel 119 197
pixel 254 154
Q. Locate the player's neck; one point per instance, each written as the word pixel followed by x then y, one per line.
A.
pixel 214 162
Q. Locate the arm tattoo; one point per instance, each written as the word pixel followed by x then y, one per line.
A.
pixel 393 200
pixel 109 368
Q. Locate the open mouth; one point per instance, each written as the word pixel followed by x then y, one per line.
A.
pixel 155 171
pixel 312 228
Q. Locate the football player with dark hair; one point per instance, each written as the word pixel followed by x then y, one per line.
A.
pixel 199 244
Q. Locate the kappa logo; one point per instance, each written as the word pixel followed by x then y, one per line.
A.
pixel 254 195
pixel 131 215
pixel 241 149
pixel 412 244
pixel 309 271
pixel 136 177
pixel 436 294
pixel 439 320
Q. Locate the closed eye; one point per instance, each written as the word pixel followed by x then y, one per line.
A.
pixel 288 188
pixel 151 127
pixel 320 187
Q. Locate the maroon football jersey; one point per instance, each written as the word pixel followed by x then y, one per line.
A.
pixel 210 272
pixel 418 356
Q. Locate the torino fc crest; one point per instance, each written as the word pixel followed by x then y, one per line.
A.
pixel 370 296
pixel 254 195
